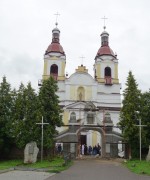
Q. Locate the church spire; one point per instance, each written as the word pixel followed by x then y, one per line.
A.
pixel 105 49
pixel 104 35
pixel 55 45
pixel 56 31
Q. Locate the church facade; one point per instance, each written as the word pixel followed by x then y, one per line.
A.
pixel 91 104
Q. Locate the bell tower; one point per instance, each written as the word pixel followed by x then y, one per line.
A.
pixel 106 62
pixel 55 58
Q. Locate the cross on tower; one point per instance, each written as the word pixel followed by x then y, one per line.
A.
pixel 42 123
pixel 57 14
pixel 104 18
pixel 82 57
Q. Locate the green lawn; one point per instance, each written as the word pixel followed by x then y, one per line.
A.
pixel 138 167
pixel 9 164
pixel 54 165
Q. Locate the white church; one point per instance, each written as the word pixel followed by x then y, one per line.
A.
pixel 91 103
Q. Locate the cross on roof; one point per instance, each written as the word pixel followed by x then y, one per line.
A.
pixel 57 14
pixel 82 57
pixel 104 18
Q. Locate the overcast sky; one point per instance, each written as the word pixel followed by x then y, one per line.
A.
pixel 26 31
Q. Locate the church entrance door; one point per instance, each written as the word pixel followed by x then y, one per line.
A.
pixel 83 139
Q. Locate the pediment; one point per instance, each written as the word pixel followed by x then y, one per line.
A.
pixel 80 105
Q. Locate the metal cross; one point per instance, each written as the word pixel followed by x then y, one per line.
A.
pixel 57 14
pixel 140 126
pixel 104 18
pixel 42 123
pixel 82 57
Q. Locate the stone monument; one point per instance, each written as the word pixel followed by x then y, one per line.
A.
pixel 148 155
pixel 30 152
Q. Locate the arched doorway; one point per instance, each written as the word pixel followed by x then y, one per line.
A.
pixel 92 130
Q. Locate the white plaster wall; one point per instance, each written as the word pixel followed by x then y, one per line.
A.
pixel 61 86
pixel 89 138
pixel 94 93
pixel 115 119
pixel 99 139
pixel 109 98
pixel 115 88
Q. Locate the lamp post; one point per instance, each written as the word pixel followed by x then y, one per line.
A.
pixel 42 123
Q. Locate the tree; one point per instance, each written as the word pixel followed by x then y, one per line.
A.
pixel 5 116
pixel 25 117
pixel 50 110
pixel 145 118
pixel 130 113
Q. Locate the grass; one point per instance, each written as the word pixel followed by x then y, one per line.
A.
pixel 9 164
pixel 55 165
pixel 138 167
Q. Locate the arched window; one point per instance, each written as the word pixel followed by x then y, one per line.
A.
pixel 108 76
pixel 108 71
pixel 54 71
pixel 80 94
pixel 73 117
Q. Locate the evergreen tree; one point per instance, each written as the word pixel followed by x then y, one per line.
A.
pixel 5 116
pixel 130 114
pixel 145 119
pixel 25 129
pixel 50 110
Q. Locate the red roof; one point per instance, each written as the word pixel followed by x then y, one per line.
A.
pixel 105 50
pixel 55 47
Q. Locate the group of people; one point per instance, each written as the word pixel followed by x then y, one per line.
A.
pixel 89 150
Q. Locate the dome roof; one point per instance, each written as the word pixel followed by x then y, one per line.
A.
pixel 55 47
pixel 105 50
pixel 104 32
pixel 56 29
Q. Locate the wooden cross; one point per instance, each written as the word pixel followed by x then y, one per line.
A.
pixel 140 126
pixel 42 123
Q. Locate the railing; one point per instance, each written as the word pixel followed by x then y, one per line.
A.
pixel 108 80
pixel 54 75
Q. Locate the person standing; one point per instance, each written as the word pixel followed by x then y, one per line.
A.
pixel 99 149
pixel 85 149
pixel 82 149
pixel 59 148
pixel 90 150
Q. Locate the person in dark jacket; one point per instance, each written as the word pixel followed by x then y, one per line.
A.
pixel 85 149
pixel 98 149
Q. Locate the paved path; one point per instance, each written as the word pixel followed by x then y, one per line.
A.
pixel 24 175
pixel 97 170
